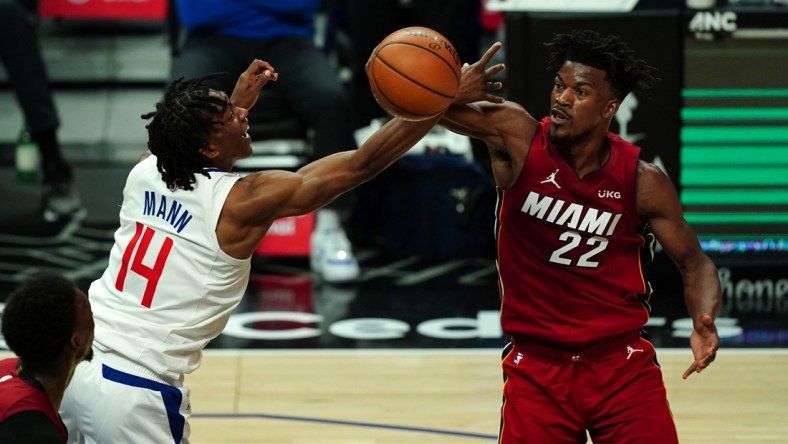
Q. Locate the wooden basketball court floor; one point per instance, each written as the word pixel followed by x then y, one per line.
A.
pixel 449 396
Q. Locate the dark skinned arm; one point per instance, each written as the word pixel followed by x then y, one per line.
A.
pixel 658 201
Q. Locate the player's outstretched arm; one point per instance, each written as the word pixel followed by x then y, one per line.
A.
pixel 506 127
pixel 250 82
pixel 657 199
pixel 326 178
pixel 260 198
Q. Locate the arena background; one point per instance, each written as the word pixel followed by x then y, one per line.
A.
pixel 717 124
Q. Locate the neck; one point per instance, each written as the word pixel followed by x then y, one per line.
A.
pixel 55 387
pixel 54 382
pixel 585 158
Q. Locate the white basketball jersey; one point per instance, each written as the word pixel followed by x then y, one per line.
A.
pixel 168 289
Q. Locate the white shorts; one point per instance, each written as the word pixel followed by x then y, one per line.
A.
pixel 105 405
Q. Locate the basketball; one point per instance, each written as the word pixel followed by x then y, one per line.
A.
pixel 414 73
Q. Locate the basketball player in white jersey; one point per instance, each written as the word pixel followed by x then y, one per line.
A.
pixel 181 259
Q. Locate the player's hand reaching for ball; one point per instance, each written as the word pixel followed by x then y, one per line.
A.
pixel 475 83
pixel 247 89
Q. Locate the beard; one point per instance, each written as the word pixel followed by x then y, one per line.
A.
pixel 561 141
pixel 567 140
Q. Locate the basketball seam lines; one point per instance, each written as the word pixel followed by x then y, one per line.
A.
pixel 382 60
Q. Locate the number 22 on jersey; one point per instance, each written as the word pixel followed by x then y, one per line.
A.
pixel 132 260
pixel 573 239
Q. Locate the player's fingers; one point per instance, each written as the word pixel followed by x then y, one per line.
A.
pixel 488 55
pixel 708 359
pixel 493 70
pixel 271 72
pixel 692 369
pixel 265 76
pixel 259 66
pixel 701 366
pixel 494 99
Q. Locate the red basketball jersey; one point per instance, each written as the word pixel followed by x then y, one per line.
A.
pixel 18 396
pixel 569 250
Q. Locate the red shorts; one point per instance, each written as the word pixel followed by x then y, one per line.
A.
pixel 554 396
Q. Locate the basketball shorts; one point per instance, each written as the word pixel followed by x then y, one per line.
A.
pixel 103 404
pixel 616 396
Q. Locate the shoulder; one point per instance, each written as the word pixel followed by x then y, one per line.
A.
pixel 268 190
pixel 145 162
pixel 216 175
pixel 144 156
pixel 508 116
pixel 515 115
pixel 515 127
pixel 649 174
pixel 654 189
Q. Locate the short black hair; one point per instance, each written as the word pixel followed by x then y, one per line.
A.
pixel 625 71
pixel 180 127
pixel 39 318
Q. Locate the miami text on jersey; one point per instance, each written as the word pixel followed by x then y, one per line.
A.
pixel 574 216
pixel 170 212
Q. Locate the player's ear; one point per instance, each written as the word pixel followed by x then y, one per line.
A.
pixel 611 108
pixel 209 151
pixel 75 343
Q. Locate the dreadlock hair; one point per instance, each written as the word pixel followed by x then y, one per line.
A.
pixel 625 72
pixel 39 318
pixel 181 125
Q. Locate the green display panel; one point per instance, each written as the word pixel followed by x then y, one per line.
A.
pixel 734 167
pixel 734 126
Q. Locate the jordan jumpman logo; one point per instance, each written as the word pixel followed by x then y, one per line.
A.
pixel 551 178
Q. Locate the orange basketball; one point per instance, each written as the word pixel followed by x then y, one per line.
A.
pixel 414 73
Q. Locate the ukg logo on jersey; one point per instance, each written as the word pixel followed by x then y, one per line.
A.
pixel 607 194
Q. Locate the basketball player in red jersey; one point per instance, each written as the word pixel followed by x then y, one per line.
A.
pixel 48 324
pixel 577 217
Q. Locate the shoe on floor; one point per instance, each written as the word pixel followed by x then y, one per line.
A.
pixel 60 201
pixel 332 257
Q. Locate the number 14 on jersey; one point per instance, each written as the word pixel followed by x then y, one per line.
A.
pixel 133 255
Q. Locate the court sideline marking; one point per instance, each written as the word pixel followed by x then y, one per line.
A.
pixel 343 423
